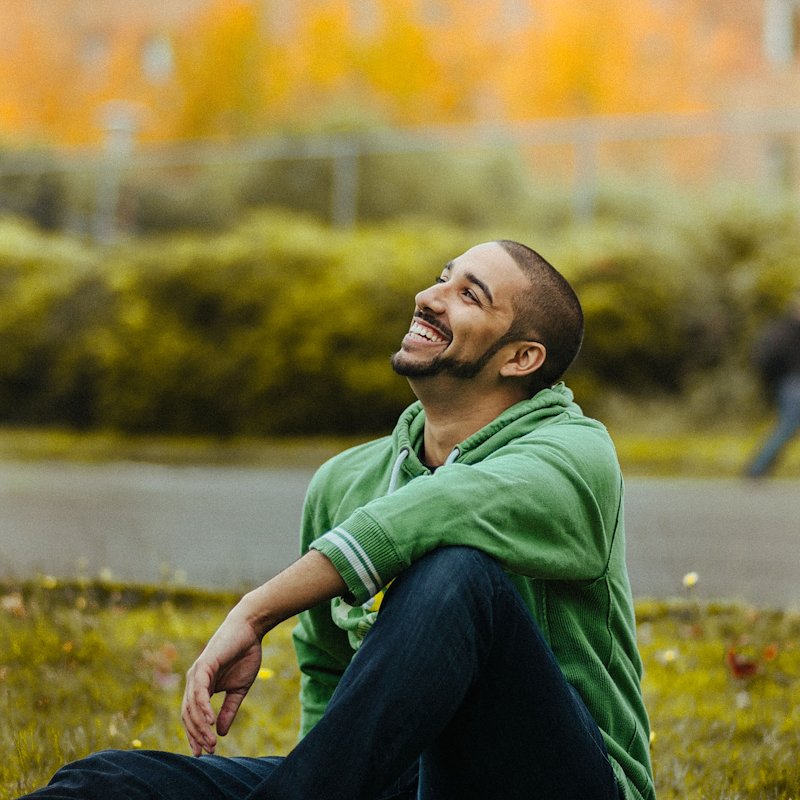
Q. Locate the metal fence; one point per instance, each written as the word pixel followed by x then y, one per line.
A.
pixel 752 147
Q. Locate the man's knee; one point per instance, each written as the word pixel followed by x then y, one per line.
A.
pixel 112 763
pixel 99 763
pixel 454 569
pixel 150 774
pixel 455 580
pixel 97 776
pixel 457 559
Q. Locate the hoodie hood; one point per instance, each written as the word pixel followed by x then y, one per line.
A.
pixel 517 420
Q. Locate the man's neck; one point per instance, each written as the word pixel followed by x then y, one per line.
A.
pixel 453 413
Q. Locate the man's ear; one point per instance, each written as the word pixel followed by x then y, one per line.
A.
pixel 524 360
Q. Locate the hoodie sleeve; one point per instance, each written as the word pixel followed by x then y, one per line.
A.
pixel 545 506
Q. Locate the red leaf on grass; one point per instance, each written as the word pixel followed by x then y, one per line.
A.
pixel 741 666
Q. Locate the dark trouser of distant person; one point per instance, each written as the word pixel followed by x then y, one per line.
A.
pixel 786 426
pixel 454 694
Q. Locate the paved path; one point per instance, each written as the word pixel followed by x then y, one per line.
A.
pixel 742 538
pixel 232 527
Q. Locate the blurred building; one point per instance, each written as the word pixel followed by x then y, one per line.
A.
pixel 59 58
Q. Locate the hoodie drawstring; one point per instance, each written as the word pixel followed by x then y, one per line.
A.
pixel 400 460
pixel 395 476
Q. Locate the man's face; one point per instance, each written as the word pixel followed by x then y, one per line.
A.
pixel 464 318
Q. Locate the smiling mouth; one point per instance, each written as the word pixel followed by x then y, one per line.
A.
pixel 427 332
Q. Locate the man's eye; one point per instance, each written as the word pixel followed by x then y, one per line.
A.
pixel 440 279
pixel 471 295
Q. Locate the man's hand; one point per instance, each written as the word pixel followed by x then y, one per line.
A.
pixel 229 663
pixel 231 659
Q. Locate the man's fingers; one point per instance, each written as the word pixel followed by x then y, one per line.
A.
pixel 194 745
pixel 227 712
pixel 229 663
pixel 200 733
pixel 197 715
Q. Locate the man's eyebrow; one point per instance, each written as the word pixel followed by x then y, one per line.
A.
pixel 473 278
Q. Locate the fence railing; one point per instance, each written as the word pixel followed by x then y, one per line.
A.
pixel 742 145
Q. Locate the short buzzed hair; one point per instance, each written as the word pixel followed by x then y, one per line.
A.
pixel 550 313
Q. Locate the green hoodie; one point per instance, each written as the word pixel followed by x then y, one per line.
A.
pixel 540 490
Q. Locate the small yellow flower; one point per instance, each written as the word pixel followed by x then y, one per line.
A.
pixel 136 743
pixel 668 656
pixel 690 579
pixel 652 736
pixel 14 604
pixel 49 582
pixel 265 673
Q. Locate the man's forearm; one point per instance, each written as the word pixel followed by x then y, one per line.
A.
pixel 311 580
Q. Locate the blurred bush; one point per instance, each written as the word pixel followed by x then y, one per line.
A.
pixel 459 188
pixel 285 325
pixel 281 326
pixel 208 202
pixel 31 186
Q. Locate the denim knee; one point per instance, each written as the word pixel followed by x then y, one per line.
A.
pixel 100 775
pixel 458 562
pixel 99 763
pixel 450 571
pixel 461 580
pixel 151 774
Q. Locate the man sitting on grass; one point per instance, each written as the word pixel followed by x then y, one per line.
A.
pixel 466 626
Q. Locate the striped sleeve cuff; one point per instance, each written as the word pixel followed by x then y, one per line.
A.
pixel 362 554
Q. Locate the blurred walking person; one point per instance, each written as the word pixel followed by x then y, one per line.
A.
pixel 777 358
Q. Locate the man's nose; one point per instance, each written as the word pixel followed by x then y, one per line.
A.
pixel 431 298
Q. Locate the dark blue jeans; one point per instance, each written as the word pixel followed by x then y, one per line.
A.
pixel 453 695
pixel 787 425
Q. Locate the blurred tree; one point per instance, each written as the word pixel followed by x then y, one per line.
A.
pixel 219 71
pixel 34 102
pixel 589 57
pixel 245 66
pixel 57 69
pixel 422 71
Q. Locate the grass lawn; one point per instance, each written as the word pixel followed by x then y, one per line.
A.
pixel 86 667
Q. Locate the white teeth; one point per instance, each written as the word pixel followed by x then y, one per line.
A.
pixel 425 333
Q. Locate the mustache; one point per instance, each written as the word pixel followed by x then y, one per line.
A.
pixel 429 319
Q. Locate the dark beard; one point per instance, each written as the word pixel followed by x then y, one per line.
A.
pixel 445 365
